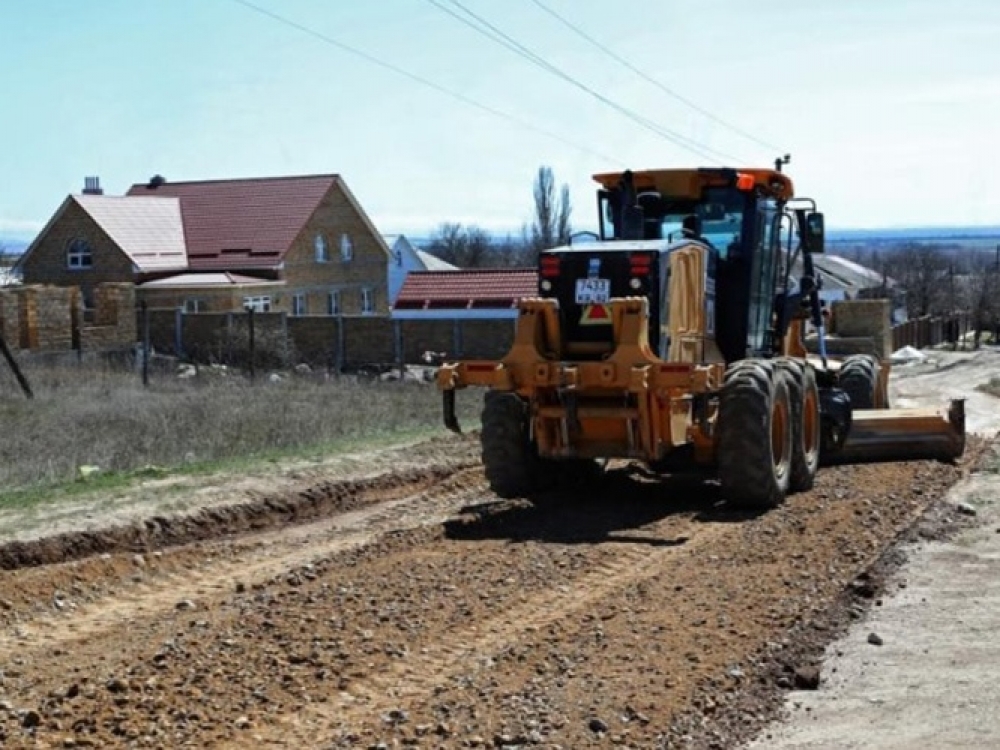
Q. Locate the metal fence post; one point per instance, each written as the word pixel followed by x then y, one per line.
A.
pixel 252 341
pixel 340 356
pixel 179 331
pixel 145 343
pixel 397 340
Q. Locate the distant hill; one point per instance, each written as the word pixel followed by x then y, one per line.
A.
pixel 966 237
pixel 13 247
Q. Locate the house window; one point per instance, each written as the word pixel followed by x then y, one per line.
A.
pixel 333 303
pixel 367 300
pixel 322 249
pixel 79 254
pixel 346 247
pixel 195 305
pixel 257 304
pixel 299 304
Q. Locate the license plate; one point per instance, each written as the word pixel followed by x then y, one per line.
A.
pixel 593 291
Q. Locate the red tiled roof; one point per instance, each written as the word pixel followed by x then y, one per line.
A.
pixel 248 223
pixel 492 288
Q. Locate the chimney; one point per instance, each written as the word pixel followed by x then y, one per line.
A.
pixel 92 186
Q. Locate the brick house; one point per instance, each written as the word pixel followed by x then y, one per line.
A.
pixel 300 244
pixel 93 239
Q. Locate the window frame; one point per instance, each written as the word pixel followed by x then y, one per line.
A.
pixel 300 305
pixel 367 300
pixel 346 248
pixel 84 257
pixel 334 303
pixel 321 248
pixel 260 303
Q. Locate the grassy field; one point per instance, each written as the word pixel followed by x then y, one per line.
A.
pixel 92 415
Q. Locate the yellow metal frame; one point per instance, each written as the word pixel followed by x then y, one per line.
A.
pixel 630 403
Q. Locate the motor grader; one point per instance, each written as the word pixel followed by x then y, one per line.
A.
pixel 677 338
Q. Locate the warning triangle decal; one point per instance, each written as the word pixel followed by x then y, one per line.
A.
pixel 595 315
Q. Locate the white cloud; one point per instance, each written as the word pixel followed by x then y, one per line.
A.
pixel 20 227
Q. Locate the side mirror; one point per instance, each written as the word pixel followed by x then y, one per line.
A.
pixel 813 233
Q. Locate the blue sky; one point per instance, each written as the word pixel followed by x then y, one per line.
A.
pixel 889 109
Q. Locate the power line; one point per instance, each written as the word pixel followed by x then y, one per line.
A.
pixel 490 31
pixel 649 79
pixel 421 80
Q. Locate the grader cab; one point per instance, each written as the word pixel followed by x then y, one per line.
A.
pixel 677 339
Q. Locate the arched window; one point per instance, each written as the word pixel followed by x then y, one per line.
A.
pixel 322 249
pixel 79 254
pixel 346 247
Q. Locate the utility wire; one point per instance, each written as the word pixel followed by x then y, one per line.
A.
pixel 490 31
pixel 649 79
pixel 421 80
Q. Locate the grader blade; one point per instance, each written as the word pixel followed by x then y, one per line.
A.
pixel 905 434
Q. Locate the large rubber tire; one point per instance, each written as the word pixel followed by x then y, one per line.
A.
pixel 859 380
pixel 803 395
pixel 509 456
pixel 754 439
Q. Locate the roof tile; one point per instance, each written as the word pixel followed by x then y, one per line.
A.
pixel 498 288
pixel 252 221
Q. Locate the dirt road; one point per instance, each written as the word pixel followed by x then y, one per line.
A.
pixel 397 603
pixel 420 611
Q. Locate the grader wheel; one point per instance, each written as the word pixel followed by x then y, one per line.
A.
pixel 859 379
pixel 754 444
pixel 803 396
pixel 509 457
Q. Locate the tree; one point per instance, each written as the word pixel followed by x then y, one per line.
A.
pixel 466 247
pixel 551 223
pixel 922 270
pixel 981 289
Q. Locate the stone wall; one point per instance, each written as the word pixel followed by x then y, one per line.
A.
pixel 10 318
pixel 114 325
pixel 50 318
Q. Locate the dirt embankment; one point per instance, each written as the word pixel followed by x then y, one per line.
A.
pixel 631 613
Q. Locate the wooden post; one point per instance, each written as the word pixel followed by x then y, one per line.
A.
pixel 22 381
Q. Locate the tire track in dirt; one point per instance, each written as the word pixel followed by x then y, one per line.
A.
pixel 249 561
pixel 713 620
pixel 456 648
pixel 631 605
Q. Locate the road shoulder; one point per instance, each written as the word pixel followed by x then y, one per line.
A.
pixel 918 669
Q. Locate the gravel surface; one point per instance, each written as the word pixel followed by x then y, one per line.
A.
pixel 632 614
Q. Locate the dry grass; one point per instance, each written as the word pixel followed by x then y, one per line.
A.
pixel 992 387
pixel 94 415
